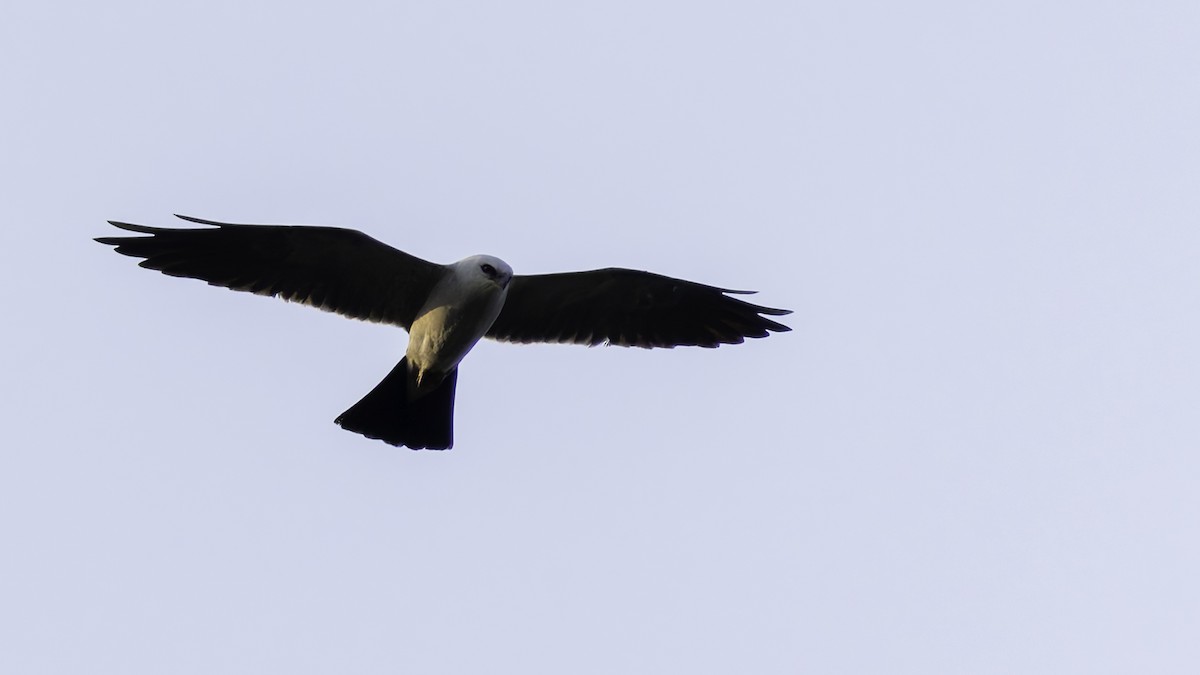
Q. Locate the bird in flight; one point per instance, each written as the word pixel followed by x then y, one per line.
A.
pixel 446 309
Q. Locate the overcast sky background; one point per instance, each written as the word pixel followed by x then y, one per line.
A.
pixel 977 452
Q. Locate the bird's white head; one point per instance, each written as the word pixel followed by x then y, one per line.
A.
pixel 483 269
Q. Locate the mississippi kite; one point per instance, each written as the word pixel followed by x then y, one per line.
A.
pixel 446 309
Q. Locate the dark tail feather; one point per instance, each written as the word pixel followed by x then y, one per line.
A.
pixel 388 415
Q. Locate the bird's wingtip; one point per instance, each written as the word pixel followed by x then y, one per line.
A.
pixel 132 228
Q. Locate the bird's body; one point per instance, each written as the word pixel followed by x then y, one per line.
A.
pixel 459 311
pixel 445 308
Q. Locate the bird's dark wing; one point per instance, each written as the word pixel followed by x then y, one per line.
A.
pixel 627 308
pixel 330 268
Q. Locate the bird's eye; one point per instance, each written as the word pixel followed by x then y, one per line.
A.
pixel 488 269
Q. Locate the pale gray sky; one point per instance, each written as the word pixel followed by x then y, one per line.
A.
pixel 978 451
